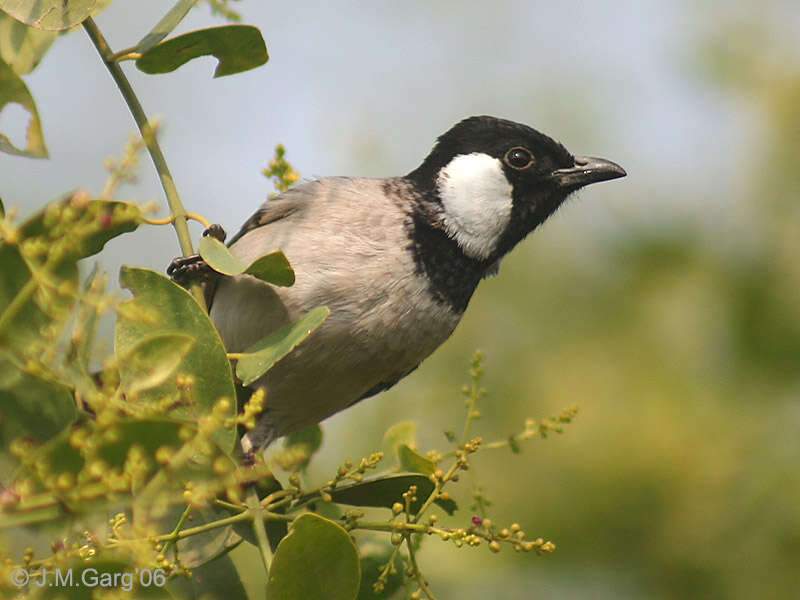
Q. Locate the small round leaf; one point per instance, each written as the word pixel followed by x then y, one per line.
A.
pixel 316 561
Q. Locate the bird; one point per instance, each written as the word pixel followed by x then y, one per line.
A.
pixel 396 260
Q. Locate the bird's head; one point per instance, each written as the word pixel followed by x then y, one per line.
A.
pixel 492 181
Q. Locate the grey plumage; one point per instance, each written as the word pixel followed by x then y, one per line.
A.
pixel 382 322
pixel 396 260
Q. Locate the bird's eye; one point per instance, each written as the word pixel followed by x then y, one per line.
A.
pixel 519 158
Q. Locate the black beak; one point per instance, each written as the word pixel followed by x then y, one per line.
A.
pixel 587 170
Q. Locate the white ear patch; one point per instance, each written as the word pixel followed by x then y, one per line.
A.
pixel 476 197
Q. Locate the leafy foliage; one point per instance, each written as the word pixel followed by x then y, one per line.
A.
pixel 260 357
pixel 23 47
pixel 14 91
pixel 161 332
pixel 316 560
pixel 51 15
pixel 280 171
pixel 151 438
pixel 237 47
pixel 163 28
pixel 272 268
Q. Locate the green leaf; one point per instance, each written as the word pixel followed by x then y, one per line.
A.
pixel 113 449
pixel 149 434
pixel 26 314
pixel 218 257
pixel 298 448
pixel 237 47
pixel 2 209
pixel 10 375
pixel 202 548
pixel 56 456
pixel 165 25
pixel 14 91
pixel 31 408
pixel 404 432
pixel 97 222
pixel 413 461
pixel 161 307
pixel 71 229
pixel 259 357
pixel 86 322
pixel 113 219
pixel 329 510
pixel 310 438
pixel 152 359
pixel 316 561
pixel 399 442
pixel 215 579
pixel 22 47
pixel 52 15
pixel 275 530
pixel 384 490
pixel 272 268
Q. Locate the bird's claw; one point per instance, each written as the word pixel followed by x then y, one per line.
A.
pixel 216 231
pixel 186 270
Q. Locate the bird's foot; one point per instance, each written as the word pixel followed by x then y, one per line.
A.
pixel 216 231
pixel 186 270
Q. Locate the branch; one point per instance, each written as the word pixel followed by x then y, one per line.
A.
pixel 164 175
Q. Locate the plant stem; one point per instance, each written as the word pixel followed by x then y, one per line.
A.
pixel 256 514
pixel 473 400
pixel 176 530
pixel 184 533
pixel 437 488
pixel 23 296
pixel 18 303
pixel 415 569
pixel 164 175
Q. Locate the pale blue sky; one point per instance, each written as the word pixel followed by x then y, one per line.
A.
pixel 357 88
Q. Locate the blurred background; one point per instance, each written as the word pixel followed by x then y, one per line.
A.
pixel 666 305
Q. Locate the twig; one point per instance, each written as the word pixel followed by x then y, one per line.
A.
pixel 164 175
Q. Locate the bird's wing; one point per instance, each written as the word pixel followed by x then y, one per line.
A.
pixel 245 309
pixel 278 208
pixel 383 386
pixel 271 211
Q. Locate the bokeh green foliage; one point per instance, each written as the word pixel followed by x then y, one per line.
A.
pixel 681 344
